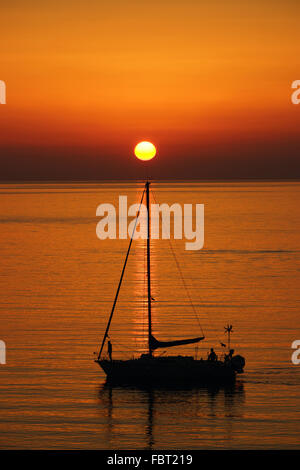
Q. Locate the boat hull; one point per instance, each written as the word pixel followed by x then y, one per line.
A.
pixel 167 370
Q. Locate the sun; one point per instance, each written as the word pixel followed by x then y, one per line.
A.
pixel 145 151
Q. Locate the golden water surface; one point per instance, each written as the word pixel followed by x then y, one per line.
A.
pixel 57 284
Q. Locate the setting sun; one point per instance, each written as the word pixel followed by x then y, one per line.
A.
pixel 145 150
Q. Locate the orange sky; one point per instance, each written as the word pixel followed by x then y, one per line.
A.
pixel 208 82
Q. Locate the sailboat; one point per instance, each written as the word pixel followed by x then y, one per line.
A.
pixel 158 370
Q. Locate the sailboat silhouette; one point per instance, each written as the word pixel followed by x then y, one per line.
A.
pixel 164 369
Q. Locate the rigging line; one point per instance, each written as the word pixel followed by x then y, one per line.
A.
pixel 121 278
pixel 186 288
pixel 208 316
pixel 182 278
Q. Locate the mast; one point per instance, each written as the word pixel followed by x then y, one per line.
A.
pixel 148 268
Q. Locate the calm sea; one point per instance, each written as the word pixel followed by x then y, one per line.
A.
pixel 57 284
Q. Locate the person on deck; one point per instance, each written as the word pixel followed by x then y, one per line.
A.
pixel 212 355
pixel 228 356
pixel 109 350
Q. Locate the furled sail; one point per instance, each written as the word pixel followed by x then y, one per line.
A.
pixel 154 343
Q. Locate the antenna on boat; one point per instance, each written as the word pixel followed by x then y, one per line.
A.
pixel 228 329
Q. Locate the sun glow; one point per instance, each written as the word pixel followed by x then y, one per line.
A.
pixel 145 150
